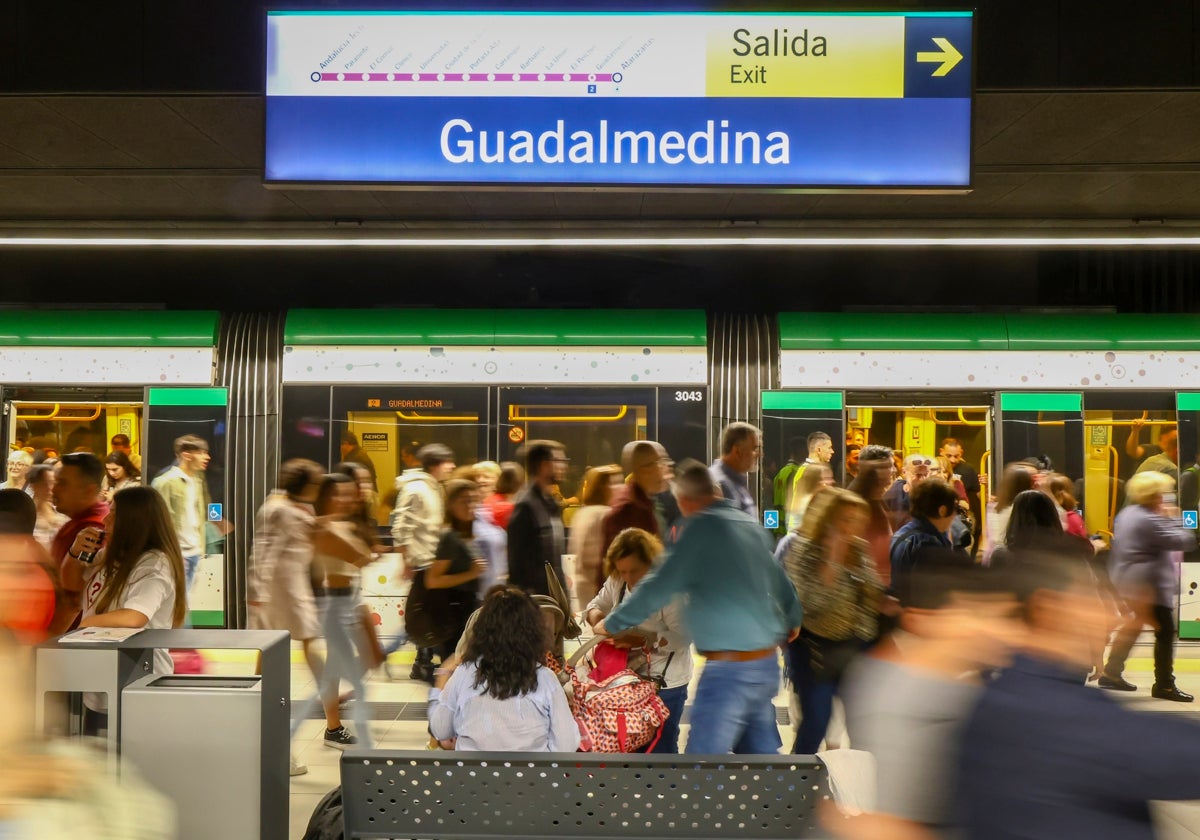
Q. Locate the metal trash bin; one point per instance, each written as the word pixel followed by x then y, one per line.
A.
pixel 198 739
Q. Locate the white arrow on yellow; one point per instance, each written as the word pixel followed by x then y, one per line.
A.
pixel 948 57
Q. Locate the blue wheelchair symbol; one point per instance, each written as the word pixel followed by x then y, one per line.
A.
pixel 1191 519
pixel 771 519
pixel 215 512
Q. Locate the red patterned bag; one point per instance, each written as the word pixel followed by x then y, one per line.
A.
pixel 620 713
pixel 623 713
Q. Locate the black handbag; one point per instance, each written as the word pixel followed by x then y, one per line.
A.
pixel 429 614
pixel 829 658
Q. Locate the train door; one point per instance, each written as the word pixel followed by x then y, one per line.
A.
pixel 954 424
pixel 595 423
pixel 1124 432
pixel 789 419
pixel 171 413
pixel 1188 408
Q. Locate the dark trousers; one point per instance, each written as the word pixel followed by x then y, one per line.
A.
pixel 815 692
pixel 1164 644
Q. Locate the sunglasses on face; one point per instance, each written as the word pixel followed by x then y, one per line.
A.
pixel 920 462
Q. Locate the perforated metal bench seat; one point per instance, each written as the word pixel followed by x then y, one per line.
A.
pixel 435 795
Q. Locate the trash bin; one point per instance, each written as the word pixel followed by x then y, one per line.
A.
pixel 198 739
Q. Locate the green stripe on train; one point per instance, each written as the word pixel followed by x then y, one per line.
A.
pixel 488 327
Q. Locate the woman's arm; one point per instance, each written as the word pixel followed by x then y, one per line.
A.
pixel 436 577
pixel 602 604
pixel 117 618
pixel 442 703
pixel 328 542
pixel 564 731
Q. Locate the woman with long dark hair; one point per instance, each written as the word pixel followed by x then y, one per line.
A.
pixel 501 698
pixel 136 577
pixel 121 473
pixel 459 563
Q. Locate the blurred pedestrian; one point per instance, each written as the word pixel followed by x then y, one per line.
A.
pixel 1145 533
pixel 1097 763
pixel 586 538
pixel 740 608
pixel 741 449
pixel 840 595
pixel 536 536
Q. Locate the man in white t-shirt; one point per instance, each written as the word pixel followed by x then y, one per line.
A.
pixel 185 491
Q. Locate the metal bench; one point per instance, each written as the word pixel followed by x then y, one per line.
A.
pixel 436 795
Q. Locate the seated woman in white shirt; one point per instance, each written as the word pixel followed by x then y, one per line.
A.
pixel 136 578
pixel 501 698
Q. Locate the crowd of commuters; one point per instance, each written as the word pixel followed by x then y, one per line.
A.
pixel 957 651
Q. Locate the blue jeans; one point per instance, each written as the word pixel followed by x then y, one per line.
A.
pixel 190 562
pixel 816 699
pixel 734 709
pixel 339 620
pixel 675 699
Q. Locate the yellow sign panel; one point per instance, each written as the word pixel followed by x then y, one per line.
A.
pixel 817 57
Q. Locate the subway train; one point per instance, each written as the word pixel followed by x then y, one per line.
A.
pixel 1090 393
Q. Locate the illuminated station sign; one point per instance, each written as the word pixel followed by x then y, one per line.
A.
pixel 817 101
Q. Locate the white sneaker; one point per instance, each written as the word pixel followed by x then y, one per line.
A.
pixel 295 768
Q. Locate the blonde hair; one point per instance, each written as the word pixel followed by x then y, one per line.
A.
pixel 1144 487
pixel 597 484
pixel 825 505
pixel 488 468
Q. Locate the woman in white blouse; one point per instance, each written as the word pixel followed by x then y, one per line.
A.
pixel 630 558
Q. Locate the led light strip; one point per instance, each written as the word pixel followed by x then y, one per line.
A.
pixel 417 243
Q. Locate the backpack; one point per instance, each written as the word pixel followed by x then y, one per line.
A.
pixel 621 713
pixel 326 821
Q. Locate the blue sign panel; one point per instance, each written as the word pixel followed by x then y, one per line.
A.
pixel 1191 519
pixel 771 519
pixel 783 101
pixel 215 512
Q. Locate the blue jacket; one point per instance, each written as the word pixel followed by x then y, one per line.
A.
pixel 916 536
pixel 738 597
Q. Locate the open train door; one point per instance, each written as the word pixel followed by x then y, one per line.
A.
pixel 204 412
pixel 1187 405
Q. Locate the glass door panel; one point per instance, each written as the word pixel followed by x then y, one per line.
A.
pixel 789 418
pixel 1188 406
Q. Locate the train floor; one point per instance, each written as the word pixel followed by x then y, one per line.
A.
pixel 397 712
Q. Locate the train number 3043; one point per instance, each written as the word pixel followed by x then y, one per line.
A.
pixel 689 396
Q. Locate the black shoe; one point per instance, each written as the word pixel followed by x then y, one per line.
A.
pixel 1115 683
pixel 1170 692
pixel 339 739
pixel 422 672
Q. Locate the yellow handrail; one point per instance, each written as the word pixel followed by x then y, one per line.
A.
pixel 56 412
pixel 960 421
pixel 1112 482
pixel 514 415
pixel 417 417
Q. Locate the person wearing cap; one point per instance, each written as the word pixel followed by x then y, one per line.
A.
pixel 185 491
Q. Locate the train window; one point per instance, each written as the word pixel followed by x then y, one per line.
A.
pixel 304 427
pixel 593 424
pixel 384 427
pixel 57 427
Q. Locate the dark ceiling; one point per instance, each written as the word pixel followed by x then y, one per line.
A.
pixel 145 115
